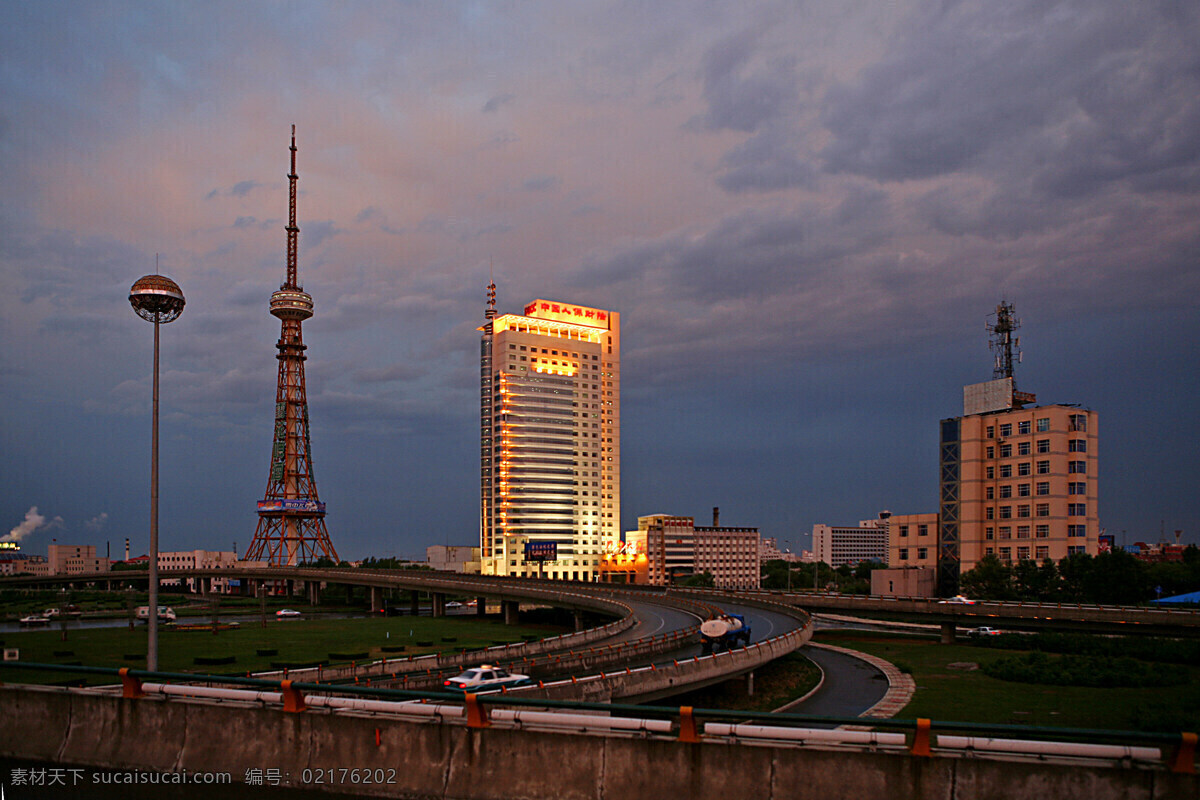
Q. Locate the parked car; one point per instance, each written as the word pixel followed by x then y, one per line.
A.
pixel 486 678
pixel 34 621
pixel 286 612
pixel 976 632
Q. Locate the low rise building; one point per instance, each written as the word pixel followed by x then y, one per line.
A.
pixel 74 559
pixel 667 548
pixel 453 558
pixel 837 545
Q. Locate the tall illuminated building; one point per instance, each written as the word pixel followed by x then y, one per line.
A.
pixel 550 439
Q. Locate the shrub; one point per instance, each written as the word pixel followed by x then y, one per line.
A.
pixel 1072 670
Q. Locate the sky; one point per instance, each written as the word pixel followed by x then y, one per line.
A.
pixel 803 211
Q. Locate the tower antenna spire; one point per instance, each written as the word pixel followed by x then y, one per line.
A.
pixel 293 232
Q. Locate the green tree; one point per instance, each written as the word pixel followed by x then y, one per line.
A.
pixel 1075 571
pixel 1034 582
pixel 703 580
pixel 1117 578
pixel 991 579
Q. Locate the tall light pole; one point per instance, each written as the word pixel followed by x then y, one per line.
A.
pixel 156 299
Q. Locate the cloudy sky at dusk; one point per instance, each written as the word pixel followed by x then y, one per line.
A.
pixel 804 213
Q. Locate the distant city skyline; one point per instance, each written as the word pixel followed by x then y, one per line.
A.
pixel 803 214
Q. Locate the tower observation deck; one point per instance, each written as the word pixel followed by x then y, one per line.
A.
pixel 291 517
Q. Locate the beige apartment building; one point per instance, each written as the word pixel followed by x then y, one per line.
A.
pixel 550 439
pixel 1015 482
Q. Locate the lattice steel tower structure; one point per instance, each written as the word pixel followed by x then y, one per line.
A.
pixel 291 518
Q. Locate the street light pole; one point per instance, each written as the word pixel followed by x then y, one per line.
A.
pixel 157 299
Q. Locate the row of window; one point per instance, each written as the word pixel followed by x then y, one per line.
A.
pixel 922 553
pixel 1040 532
pixel 1041 510
pixel 1026 448
pixel 1025 468
pixel 1075 422
pixel 922 530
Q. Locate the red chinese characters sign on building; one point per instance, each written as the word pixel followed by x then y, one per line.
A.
pixel 565 312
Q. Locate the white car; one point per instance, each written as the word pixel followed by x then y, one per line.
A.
pixel 486 678
pixel 286 612
pixel 958 599
pixel 974 632
pixel 454 604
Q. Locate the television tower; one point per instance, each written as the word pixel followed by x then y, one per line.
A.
pixel 291 518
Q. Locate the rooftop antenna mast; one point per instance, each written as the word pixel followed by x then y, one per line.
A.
pixel 491 301
pixel 1001 341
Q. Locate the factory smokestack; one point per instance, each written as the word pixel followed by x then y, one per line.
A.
pixel 716 516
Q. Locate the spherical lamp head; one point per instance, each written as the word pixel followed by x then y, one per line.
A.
pixel 156 298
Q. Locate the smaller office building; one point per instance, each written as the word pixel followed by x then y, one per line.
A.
pixel 667 548
pixel 835 545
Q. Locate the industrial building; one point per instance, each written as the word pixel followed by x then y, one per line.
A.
pixel 550 440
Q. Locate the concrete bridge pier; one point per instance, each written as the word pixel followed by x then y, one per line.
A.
pixel 512 612
pixel 480 606
pixel 314 593
pixel 578 615
pixel 375 595
pixel 438 600
pixel 948 633
pixel 349 594
pixel 415 604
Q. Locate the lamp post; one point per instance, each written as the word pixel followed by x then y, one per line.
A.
pixel 156 299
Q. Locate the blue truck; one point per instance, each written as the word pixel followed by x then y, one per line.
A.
pixel 724 633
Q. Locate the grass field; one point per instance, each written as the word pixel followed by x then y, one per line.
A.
pixel 299 640
pixel 949 693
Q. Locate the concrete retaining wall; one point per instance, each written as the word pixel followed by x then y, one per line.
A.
pixel 450 760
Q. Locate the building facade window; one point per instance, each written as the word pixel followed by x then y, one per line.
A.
pixel 1043 468
pixel 1076 509
pixel 1043 445
pixel 1078 422
pixel 1042 531
pixel 1022 531
pixel 1043 487
pixel 1043 424
pixel 1077 487
pixel 903 553
pixel 1023 427
pixel 1005 429
pixel 1077 446
pixel 989 493
pixel 1006 451
pixel 903 532
pixel 1006 470
pixel 1043 552
pixel 1005 512
pixel 922 553
pixel 1006 490
pixel 1043 509
pixel 990 472
pixel 1077 467
pixel 1022 511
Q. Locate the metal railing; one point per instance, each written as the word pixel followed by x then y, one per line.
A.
pixel 916 737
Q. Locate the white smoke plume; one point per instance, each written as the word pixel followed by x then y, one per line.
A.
pixel 33 522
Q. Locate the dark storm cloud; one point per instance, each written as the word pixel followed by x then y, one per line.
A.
pixel 1054 87
pixel 743 95
pixel 767 161
pixel 493 105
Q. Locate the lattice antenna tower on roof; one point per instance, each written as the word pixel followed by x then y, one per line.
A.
pixel 1002 343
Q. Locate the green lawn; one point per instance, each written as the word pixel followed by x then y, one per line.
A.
pixel 946 693
pixel 300 640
